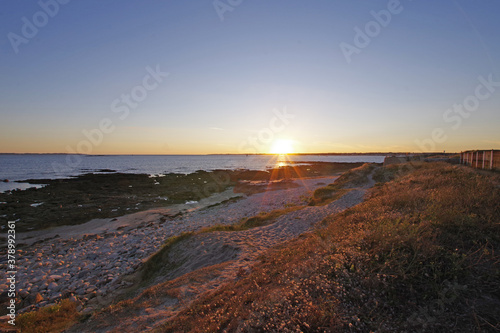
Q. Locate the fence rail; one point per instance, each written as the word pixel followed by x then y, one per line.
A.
pixel 481 159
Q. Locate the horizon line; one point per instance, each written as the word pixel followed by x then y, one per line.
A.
pixel 247 154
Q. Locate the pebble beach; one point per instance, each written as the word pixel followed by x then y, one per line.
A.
pixel 88 262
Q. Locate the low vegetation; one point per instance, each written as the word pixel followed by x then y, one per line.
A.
pixel 53 318
pixel 159 263
pixel 352 178
pixel 263 218
pixel 419 255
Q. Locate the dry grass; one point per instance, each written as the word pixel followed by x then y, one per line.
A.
pixel 53 318
pixel 262 219
pixel 352 178
pixel 418 256
pixel 281 292
pixel 158 262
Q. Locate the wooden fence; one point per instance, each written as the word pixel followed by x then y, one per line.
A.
pixel 481 159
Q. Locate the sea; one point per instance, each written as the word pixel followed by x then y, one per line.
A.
pixel 17 168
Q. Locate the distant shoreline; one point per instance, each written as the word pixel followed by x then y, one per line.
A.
pixel 261 154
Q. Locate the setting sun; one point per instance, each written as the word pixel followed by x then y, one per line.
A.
pixel 282 147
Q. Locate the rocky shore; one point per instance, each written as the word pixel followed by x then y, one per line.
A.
pixel 88 262
pixel 106 195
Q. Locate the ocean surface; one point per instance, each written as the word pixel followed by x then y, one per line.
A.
pixel 17 168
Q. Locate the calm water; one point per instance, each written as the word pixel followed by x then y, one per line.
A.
pixel 22 167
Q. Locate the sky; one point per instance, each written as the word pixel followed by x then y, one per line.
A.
pixel 248 76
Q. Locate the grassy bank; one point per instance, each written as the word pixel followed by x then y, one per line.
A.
pixel 420 254
pixel 352 178
pixel 159 263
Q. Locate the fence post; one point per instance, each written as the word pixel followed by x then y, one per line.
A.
pixel 484 158
pixel 491 161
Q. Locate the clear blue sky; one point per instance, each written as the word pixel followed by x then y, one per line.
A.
pixel 227 79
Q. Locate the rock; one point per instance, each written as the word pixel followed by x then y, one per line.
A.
pixel 37 278
pixel 26 309
pixel 38 298
pixel 55 277
pixel 88 310
pixel 53 287
pixel 91 295
pixel 42 304
pixel 22 293
pixel 55 297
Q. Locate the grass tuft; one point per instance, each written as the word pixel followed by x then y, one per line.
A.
pixel 55 318
pixel 158 262
pixel 349 179
pixel 262 219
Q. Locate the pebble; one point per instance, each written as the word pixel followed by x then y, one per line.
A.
pixel 54 287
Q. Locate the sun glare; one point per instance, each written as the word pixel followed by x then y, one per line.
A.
pixel 282 147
